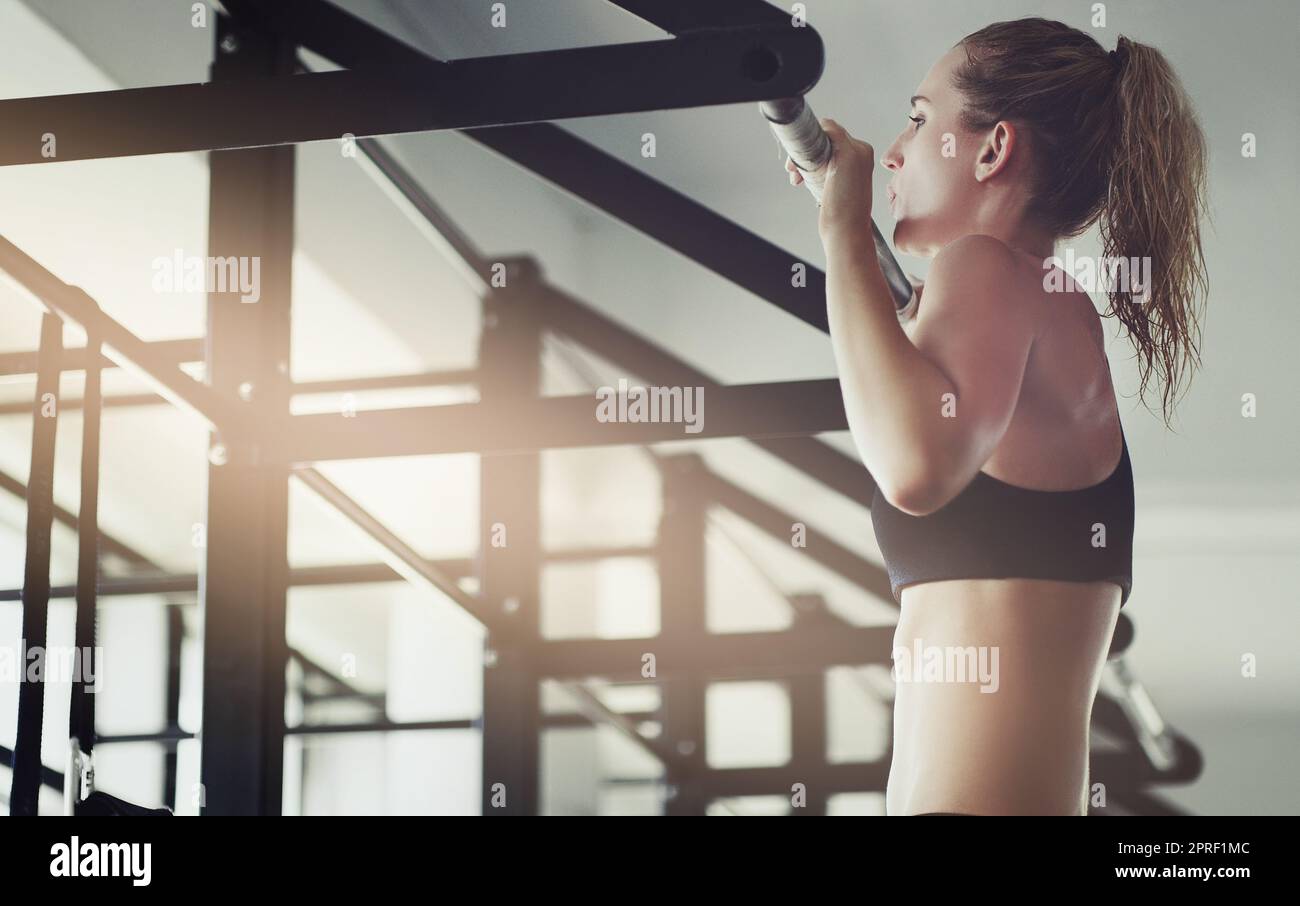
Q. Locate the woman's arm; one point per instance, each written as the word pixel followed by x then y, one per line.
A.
pixel 926 413
pixel 885 381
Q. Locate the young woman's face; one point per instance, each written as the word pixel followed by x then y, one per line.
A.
pixel 934 189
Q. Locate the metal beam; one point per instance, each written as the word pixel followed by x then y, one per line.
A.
pixel 594 329
pixel 49 776
pixel 581 169
pixel 575 319
pixel 451 377
pixel 867 777
pixel 683 613
pixel 677 18
pixel 122 347
pixel 510 554
pixel 404 559
pixel 843 474
pixel 172 351
pixel 305 576
pixel 380 726
pixel 568 315
pixel 175 645
pixel 107 543
pixel 590 706
pixel 244 581
pixel 820 547
pixel 122 401
pixel 513 426
pixel 428 216
pixel 665 215
pixel 171 736
pixel 348 40
pixel 699 69
pixel 1185 764
pixel 308 388
pixel 719 656
pixel 824 779
pixel 177 352
pixel 809 718
pixel 311 668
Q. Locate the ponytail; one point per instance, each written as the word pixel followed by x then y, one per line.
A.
pixel 1115 142
pixel 1155 198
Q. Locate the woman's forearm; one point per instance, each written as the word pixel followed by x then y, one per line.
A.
pixel 892 393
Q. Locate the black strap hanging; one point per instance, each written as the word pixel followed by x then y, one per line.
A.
pixel 81 712
pixel 24 791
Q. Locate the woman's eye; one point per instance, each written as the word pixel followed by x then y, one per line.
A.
pixel 918 120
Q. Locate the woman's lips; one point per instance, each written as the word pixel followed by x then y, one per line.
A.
pixel 892 195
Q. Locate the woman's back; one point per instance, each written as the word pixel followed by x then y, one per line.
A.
pixel 1050 636
pixel 1065 431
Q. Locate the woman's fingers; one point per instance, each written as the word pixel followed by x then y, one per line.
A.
pixel 834 130
pixel 796 175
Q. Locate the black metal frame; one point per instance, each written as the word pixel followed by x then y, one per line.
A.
pixel 725 51
pixel 244 581
pixel 748 63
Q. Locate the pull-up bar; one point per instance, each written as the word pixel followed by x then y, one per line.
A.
pixel 808 145
pixel 702 68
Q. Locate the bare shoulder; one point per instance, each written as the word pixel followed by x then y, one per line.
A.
pixel 984 276
pixel 978 283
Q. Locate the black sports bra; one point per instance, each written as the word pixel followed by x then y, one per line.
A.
pixel 997 530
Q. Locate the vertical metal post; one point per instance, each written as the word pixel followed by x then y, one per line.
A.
pixel 175 642
pixel 808 714
pixel 244 581
pixel 682 574
pixel 808 739
pixel 25 784
pixel 510 551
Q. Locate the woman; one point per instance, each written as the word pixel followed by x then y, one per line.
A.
pixel 1004 506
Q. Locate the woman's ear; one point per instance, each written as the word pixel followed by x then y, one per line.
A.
pixel 995 153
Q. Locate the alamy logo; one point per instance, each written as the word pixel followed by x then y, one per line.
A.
pixel 102 860
pixel 947 664
pixel 57 664
pixel 183 273
pixel 1100 274
pixel 651 404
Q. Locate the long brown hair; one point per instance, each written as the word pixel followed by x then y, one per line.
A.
pixel 1114 140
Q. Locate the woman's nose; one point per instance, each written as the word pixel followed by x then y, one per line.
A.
pixel 892 159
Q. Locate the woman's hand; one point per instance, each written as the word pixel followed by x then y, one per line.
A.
pixel 846 197
pixel 918 285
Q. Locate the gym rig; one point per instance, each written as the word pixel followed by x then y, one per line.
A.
pixel 724 52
